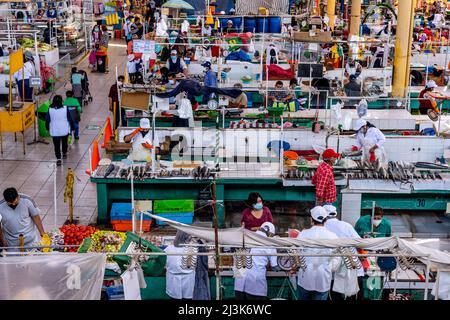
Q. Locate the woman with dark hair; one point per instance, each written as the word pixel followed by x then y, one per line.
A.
pixel 59 123
pixel 257 214
pixel 180 280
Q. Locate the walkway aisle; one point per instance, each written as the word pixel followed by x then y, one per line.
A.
pixel 32 173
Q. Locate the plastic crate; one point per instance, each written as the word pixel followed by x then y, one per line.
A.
pixel 122 211
pixel 173 206
pixel 127 225
pixel 115 293
pixel 182 217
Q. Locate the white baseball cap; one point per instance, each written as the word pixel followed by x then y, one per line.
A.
pixel 173 52
pixel 229 21
pixel 359 124
pixel 144 123
pixel 331 210
pixel 431 84
pixel 319 213
pixel 268 227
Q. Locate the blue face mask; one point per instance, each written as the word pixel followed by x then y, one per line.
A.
pixel 174 58
pixel 258 206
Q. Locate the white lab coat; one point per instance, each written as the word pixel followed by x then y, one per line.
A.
pixel 161 28
pixel 372 137
pixel 317 276
pixel 352 69
pixel 254 280
pixel 179 282
pixel 139 153
pixel 185 26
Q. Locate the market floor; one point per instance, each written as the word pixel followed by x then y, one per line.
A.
pixel 32 173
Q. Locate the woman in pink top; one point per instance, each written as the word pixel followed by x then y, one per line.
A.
pixel 254 217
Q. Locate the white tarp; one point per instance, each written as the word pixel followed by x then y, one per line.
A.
pixel 235 237
pixel 54 276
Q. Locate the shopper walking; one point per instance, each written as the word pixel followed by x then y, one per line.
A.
pixel 77 85
pixel 104 42
pixel 19 217
pixel 75 112
pixel 59 123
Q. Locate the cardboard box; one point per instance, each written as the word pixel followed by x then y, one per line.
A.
pixel 136 100
pixel 312 36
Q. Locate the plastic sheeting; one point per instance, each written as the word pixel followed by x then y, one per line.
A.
pixel 235 236
pixel 52 277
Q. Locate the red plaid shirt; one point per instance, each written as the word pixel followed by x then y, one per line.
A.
pixel 323 179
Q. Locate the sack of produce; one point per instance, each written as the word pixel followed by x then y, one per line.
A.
pixel 152 266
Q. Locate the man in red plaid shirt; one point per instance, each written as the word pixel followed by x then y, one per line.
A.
pixel 323 179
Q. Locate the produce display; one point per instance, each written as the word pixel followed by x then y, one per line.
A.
pixel 107 241
pixel 4 65
pixel 75 234
pixel 29 44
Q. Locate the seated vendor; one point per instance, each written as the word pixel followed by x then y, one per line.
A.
pixel 241 101
pixel 352 88
pixel 176 65
pixel 280 94
pixel 230 28
pixel 141 138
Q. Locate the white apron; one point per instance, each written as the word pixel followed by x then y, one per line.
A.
pixel 380 154
pixel 138 152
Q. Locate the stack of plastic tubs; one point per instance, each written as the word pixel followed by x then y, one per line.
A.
pixel 121 218
pixel 177 210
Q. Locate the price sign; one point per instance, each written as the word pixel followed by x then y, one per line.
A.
pixel 144 46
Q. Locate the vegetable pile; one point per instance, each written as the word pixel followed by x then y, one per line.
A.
pixel 74 234
pixel 107 241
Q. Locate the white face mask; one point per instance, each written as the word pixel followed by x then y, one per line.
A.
pixel 376 223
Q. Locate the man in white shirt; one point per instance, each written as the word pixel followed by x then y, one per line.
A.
pixel 253 285
pixel 22 77
pixel 314 282
pixel 344 230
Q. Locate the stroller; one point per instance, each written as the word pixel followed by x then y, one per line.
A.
pixel 87 97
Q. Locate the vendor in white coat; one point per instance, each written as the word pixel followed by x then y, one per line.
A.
pixel 344 230
pixel 371 140
pixel 314 282
pixel 141 138
pixel 253 284
pixel 180 280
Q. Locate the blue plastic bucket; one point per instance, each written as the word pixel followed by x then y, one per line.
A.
pixel 275 24
pixel 249 24
pixel 223 23
pixel 237 22
pixel 262 25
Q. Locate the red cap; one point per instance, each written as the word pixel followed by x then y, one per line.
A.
pixel 330 153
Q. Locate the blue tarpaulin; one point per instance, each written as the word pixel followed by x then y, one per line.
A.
pixel 199 5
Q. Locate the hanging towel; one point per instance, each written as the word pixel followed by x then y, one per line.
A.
pixel 201 288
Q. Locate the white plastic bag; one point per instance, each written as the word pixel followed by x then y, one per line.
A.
pixel 346 281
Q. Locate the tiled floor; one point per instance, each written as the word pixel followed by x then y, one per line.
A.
pixel 32 173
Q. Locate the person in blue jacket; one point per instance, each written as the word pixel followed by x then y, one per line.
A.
pixel 210 76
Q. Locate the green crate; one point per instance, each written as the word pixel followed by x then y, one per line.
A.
pixel 173 206
pixel 153 267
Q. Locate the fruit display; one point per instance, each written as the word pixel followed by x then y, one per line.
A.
pixel 107 241
pixel 75 234
pixel 4 65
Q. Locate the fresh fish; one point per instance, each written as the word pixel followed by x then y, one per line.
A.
pixel 109 170
pixel 438 176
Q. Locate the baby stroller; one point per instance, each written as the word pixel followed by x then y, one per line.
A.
pixel 87 97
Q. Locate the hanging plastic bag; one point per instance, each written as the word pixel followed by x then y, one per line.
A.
pixel 362 108
pixel 346 281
